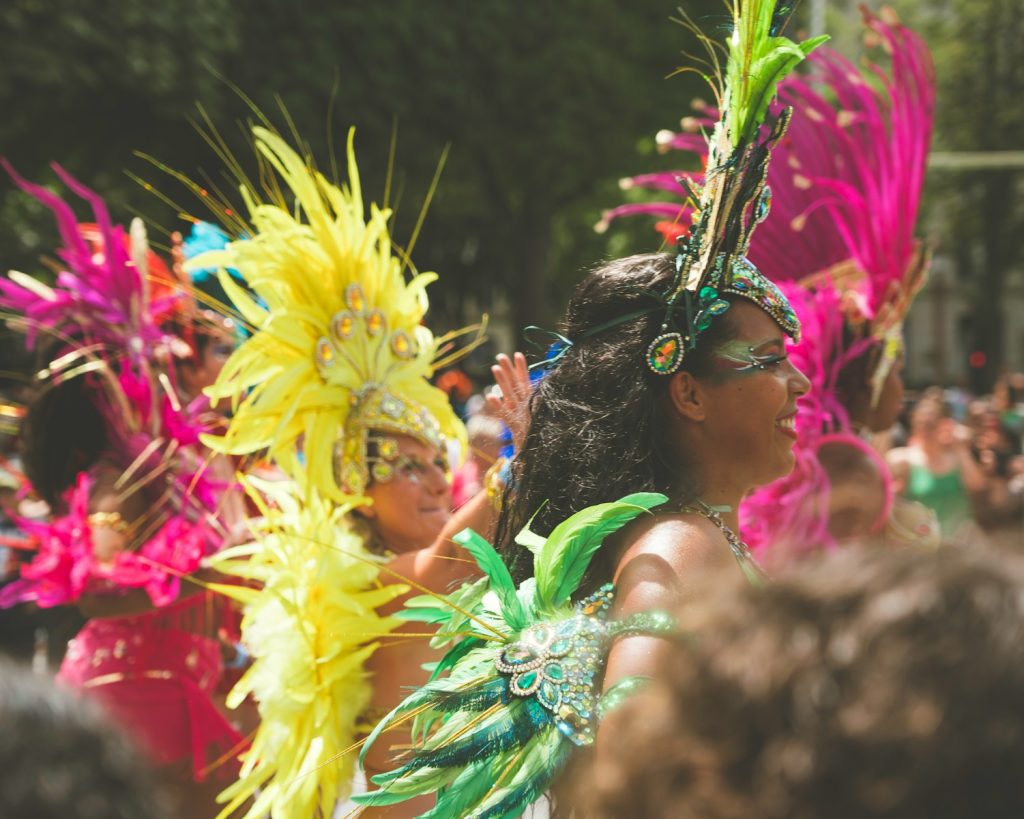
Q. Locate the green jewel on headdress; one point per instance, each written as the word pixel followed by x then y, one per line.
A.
pixel 666 353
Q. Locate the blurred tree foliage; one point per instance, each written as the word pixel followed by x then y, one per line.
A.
pixel 544 105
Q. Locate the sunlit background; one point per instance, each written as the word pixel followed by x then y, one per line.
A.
pixel 544 107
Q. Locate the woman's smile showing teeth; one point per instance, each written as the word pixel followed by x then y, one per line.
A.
pixel 787 425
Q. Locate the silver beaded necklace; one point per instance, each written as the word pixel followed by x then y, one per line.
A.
pixel 739 549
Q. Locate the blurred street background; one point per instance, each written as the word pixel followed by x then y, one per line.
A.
pixel 544 107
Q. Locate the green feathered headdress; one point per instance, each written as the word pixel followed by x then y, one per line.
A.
pixel 711 260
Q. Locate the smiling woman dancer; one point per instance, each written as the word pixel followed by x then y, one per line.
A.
pixel 672 390
pixel 333 386
pixel 847 181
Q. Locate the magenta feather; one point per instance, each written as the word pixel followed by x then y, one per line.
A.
pixel 847 178
pixel 99 308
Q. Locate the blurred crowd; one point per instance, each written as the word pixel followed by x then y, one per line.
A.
pixel 961 456
pixel 868 657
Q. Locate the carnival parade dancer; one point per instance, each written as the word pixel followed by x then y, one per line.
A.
pixel 333 386
pixel 671 392
pixel 112 445
pixel 846 182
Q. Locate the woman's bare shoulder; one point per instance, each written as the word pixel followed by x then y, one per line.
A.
pixel 679 539
pixel 664 558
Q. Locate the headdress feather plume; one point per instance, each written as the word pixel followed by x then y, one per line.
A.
pixel 337 321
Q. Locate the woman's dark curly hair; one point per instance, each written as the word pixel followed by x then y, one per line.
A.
pixel 599 426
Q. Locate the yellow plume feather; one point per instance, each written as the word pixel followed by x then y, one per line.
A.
pixel 336 321
pixel 310 628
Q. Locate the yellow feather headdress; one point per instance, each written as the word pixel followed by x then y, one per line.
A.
pixel 339 350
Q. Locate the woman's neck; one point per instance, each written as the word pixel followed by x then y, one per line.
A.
pixel 724 500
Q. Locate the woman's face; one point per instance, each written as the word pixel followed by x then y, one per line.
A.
pixel 410 509
pixel 749 423
pixel 203 370
pixel 925 420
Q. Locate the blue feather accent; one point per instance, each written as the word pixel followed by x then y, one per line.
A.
pixel 478 698
pixel 203 237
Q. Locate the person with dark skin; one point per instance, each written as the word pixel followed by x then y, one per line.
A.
pixel 602 426
pixel 846 182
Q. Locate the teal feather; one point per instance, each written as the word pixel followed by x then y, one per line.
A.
pixel 521 721
pixel 468 788
pixel 450 658
pixel 534 776
pixel 561 563
pixel 410 703
pixel 468 597
pixel 494 567
pixel 393 791
pixel 477 698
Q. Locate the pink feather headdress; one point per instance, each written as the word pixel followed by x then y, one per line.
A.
pixel 106 310
pixel 792 513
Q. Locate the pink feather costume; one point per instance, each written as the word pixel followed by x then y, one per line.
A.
pixel 154 672
pixel 846 184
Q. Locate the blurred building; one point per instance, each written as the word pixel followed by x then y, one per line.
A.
pixel 937 329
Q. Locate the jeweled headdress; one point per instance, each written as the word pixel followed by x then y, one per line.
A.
pixel 846 182
pixel 733 198
pixel 338 351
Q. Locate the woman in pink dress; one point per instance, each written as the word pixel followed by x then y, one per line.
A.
pixel 111 442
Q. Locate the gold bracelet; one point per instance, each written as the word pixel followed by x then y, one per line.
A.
pixel 110 520
pixel 493 483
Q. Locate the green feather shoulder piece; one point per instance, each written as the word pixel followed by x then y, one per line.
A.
pixel 520 687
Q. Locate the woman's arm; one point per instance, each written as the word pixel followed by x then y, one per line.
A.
pixel 665 563
pixel 444 564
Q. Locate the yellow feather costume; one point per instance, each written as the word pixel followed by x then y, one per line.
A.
pixel 338 354
pixel 310 628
